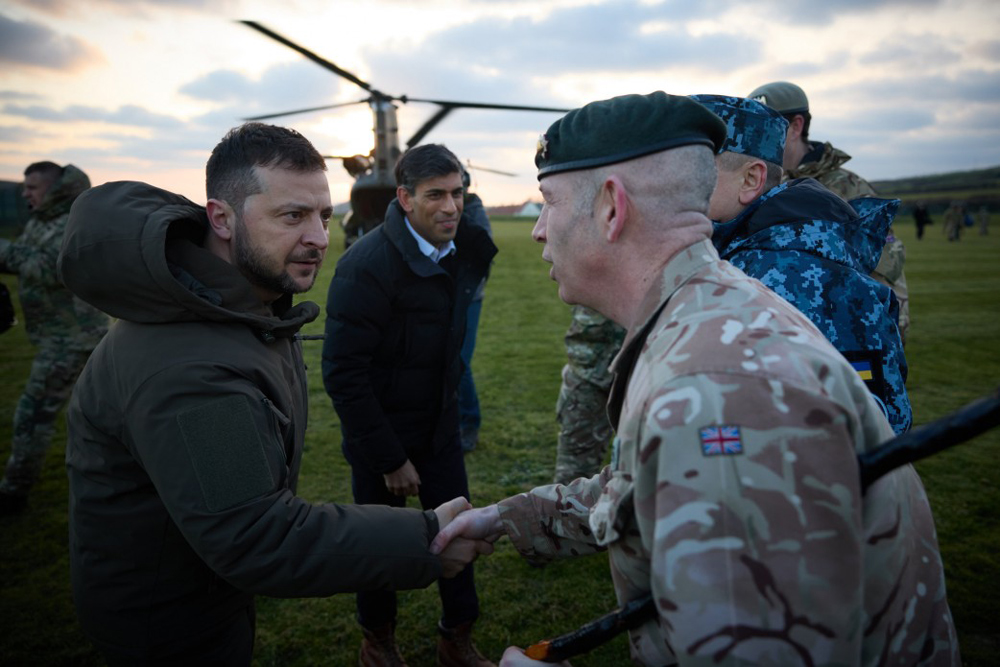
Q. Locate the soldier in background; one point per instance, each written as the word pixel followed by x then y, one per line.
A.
pixel 592 341
pixel 809 246
pixel 953 219
pixel 804 158
pixel 921 218
pixel 64 328
pixel 983 218
pixel 733 498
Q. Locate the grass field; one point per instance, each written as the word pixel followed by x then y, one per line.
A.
pixel 954 357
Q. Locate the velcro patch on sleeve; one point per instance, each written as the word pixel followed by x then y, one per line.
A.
pixel 226 452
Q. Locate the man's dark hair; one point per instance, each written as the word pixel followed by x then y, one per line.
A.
pixel 49 170
pixel 229 174
pixel 807 117
pixel 424 162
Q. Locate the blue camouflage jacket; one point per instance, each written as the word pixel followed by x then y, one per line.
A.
pixel 816 251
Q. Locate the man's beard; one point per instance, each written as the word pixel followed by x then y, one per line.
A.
pixel 252 263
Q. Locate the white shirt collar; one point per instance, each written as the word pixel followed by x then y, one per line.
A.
pixel 427 248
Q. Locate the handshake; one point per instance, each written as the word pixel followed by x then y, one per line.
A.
pixel 464 534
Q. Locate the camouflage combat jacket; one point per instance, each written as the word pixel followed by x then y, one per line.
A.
pixel 733 496
pixel 817 251
pixel 53 316
pixel 827 168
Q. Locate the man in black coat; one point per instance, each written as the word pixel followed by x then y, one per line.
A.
pixel 396 314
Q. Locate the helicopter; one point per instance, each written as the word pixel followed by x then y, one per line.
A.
pixel 374 180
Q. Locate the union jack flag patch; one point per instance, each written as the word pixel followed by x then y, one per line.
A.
pixel 724 440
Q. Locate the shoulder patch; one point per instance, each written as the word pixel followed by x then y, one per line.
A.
pixel 226 452
pixel 724 440
pixel 868 365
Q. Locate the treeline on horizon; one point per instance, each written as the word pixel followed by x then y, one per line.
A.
pixel 973 188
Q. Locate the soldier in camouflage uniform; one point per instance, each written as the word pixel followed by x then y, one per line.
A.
pixel 733 496
pixel 592 341
pixel 809 246
pixel 811 159
pixel 62 327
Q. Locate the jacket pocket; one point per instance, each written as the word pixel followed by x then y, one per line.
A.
pixel 279 426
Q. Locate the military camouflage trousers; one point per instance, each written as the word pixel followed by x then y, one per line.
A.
pixel 53 374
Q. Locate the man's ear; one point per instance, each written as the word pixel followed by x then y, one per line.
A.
pixel 754 177
pixel 405 199
pixel 795 126
pixel 612 207
pixel 221 218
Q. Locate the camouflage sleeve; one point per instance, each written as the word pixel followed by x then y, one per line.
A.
pixel 34 254
pixel 552 521
pixel 847 185
pixel 747 499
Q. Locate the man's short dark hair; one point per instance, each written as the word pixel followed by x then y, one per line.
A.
pixel 807 117
pixel 229 174
pixel 424 162
pixel 48 170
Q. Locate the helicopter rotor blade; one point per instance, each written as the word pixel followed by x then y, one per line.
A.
pixel 322 62
pixel 298 111
pixel 430 124
pixel 476 167
pixel 480 105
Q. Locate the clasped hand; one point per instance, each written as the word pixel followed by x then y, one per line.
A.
pixel 464 534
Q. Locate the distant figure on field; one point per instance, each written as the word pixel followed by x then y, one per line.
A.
pixel 954 217
pixel 983 218
pixel 64 328
pixel 805 158
pixel 921 218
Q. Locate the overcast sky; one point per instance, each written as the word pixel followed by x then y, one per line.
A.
pixel 143 89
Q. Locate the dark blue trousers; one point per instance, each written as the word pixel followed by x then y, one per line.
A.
pixel 442 477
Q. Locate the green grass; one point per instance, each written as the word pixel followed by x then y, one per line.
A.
pixel 954 356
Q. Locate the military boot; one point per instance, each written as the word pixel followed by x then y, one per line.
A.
pixel 379 649
pixel 455 648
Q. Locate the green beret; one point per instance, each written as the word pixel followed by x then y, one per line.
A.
pixel 784 97
pixel 624 128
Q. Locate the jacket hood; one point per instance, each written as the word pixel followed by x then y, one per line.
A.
pixel 62 193
pixel 821 159
pixel 135 252
pixel 804 215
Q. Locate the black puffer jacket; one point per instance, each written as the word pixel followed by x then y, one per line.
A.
pixel 185 440
pixel 394 328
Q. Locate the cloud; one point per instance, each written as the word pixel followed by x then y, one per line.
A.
pixel 810 12
pixel 128 114
pixel 19 133
pixel 282 87
pixel 18 95
pixel 913 52
pixel 73 7
pixel 30 43
pixel 614 37
pixel 988 49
